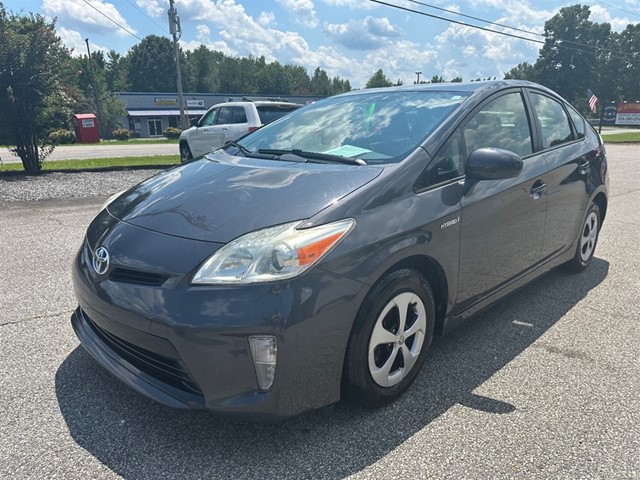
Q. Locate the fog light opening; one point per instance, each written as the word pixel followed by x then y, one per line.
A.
pixel 264 350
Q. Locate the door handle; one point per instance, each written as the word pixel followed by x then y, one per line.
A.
pixel 583 166
pixel 537 189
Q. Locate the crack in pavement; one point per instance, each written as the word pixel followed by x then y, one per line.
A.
pixel 37 317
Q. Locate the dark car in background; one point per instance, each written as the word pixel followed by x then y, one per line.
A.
pixel 315 258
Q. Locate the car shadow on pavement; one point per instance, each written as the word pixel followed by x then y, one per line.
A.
pixel 138 438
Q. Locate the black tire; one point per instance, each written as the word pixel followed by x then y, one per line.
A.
pixel 185 153
pixel 365 380
pixel 587 241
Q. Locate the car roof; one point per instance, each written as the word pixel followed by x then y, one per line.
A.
pixel 258 103
pixel 462 87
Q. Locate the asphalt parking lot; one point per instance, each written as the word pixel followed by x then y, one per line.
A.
pixel 545 384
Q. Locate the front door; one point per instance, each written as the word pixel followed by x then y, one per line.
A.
pixel 502 221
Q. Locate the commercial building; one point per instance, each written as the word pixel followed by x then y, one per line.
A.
pixel 149 114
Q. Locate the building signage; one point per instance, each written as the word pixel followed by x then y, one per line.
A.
pixel 88 123
pixel 195 103
pixel 609 114
pixel 628 114
pixel 165 102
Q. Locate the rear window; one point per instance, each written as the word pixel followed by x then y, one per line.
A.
pixel 269 113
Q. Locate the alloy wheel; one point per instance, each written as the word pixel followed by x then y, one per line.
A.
pixel 397 339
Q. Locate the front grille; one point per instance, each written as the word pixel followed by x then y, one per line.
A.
pixel 137 277
pixel 167 370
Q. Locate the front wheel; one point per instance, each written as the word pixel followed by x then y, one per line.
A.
pixel 185 153
pixel 390 338
pixel 587 241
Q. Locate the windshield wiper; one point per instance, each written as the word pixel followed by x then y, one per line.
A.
pixel 242 148
pixel 265 154
pixel 324 157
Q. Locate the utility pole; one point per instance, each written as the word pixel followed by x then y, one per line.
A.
pixel 418 81
pixel 176 31
pixel 95 87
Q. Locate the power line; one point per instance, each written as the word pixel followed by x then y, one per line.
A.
pixel 618 8
pixel 545 36
pixel 507 34
pixel 477 18
pixel 148 18
pixel 112 20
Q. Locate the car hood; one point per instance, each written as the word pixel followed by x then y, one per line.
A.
pixel 221 197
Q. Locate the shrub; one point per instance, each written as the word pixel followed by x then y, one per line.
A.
pixel 121 134
pixel 171 132
pixel 61 137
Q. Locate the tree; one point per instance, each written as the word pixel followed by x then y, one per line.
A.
pixel 152 67
pixel 320 83
pixel 300 81
pixel 568 59
pixel 112 109
pixel 437 79
pixel 202 70
pixel 32 98
pixel 456 80
pixel 116 72
pixel 378 79
pixel 522 71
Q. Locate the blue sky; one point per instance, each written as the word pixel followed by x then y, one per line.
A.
pixel 348 38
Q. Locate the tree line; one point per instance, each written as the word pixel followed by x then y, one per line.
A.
pixel 42 83
pixel 579 54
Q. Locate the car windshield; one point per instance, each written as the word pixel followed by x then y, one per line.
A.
pixel 374 128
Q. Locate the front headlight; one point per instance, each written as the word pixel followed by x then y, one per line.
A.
pixel 270 254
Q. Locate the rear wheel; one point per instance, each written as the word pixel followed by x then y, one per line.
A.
pixel 185 153
pixel 390 338
pixel 587 241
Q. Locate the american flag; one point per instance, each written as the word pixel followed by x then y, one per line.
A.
pixel 593 100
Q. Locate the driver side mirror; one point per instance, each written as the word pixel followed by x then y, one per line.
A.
pixel 195 122
pixel 493 164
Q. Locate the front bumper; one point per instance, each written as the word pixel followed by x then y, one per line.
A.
pixel 187 346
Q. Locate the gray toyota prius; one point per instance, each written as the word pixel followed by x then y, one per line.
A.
pixel 316 257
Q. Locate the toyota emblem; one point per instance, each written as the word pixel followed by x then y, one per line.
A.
pixel 101 260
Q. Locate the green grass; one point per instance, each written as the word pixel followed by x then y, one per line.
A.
pixel 622 137
pixel 92 163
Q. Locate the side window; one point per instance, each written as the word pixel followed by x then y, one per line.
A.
pixel 554 122
pixel 209 118
pixel 239 116
pixel 446 165
pixel 578 122
pixel 501 123
pixel 225 116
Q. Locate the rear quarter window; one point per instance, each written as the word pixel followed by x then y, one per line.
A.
pixel 269 113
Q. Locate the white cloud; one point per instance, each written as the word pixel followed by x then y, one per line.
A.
pixel 302 11
pixel 154 8
pixel 482 53
pixel 399 60
pixel 78 15
pixel 352 4
pixel 203 36
pixel 72 39
pixel 600 14
pixel 367 34
pixel 266 18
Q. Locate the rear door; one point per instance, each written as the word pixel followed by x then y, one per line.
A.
pixel 567 157
pixel 239 124
pixel 502 221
